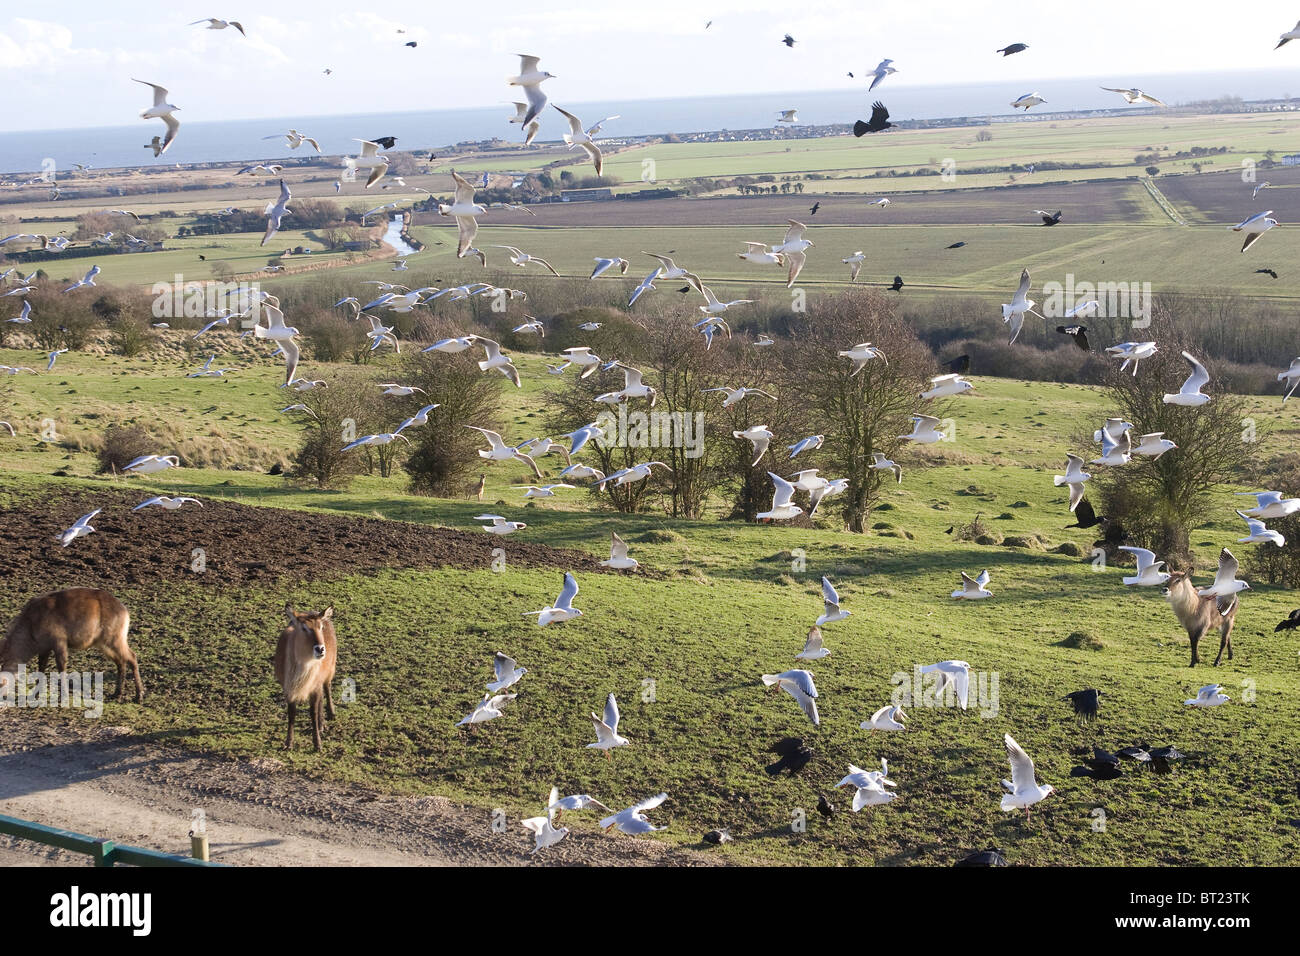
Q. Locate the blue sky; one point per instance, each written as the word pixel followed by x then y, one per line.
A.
pixel 69 64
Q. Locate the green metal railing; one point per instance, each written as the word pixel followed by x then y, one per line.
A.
pixel 101 852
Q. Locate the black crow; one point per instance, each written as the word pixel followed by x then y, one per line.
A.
pixel 1267 272
pixel 993 856
pixel 1079 333
pixel 1085 702
pixel 788 40
pixel 898 284
pixel 815 207
pixel 1140 753
pixel 388 142
pixel 879 120
pixel 824 806
pixel 411 43
pixel 1102 765
pixel 957 245
pixel 1049 218
pixel 1291 623
pixel 960 365
pixel 1085 516
pixel 718 836
pixel 1163 757
pixel 1013 48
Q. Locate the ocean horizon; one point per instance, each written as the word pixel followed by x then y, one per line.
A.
pixel 236 140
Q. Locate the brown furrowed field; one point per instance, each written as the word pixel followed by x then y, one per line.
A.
pixel 1225 197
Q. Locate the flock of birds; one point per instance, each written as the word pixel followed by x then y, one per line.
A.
pixel 870 788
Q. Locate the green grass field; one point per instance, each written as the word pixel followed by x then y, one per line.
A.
pixel 722 604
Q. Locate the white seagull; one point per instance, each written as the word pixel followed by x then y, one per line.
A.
pixel 1026 101
pixel 563 609
pixel 1190 394
pixel 169 504
pixel 500 525
pixel 1271 504
pixel 607 736
pixel 618 558
pixel 1225 579
pixel 79 528
pixel 633 820
pixel 870 786
pixel 1259 534
pixel 951 673
pixel 813 649
pixel 861 354
pixel 889 717
pixel 799 685
pixel 1132 352
pixel 832 611
pixel 973 589
pixel 1149 570
pixel 544 831
pixel 925 430
pixel 882 70
pixel 486 709
pixel 531 79
pixel 782 507
pixel 1254 227
pixel 162 110
pixel 507 672
pixel 1211 695
pixel 1022 790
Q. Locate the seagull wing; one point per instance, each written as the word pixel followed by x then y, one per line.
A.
pixel 1022 768
pixel 1199 377
pixel 612 716
pixel 565 601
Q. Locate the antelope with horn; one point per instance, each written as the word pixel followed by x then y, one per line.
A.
pixel 304 665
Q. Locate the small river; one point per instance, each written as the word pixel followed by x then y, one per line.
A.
pixel 394 238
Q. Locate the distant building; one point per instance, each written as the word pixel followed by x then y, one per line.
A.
pixel 586 195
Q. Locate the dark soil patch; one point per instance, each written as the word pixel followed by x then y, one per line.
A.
pixel 241 544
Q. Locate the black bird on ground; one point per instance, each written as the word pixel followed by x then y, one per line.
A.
pixel 824 806
pixel 993 856
pixel 1162 758
pixel 879 120
pixel 1085 702
pixel 960 365
pixel 794 754
pixel 815 207
pixel 1140 753
pixel 1049 218
pixel 788 40
pixel 1102 765
pixel 1079 333
pixel 1267 272
pixel 1085 516
pixel 1291 623
pixel 1013 48
pixel 957 245
pixel 202 258
pixel 718 836
pixel 898 284
pixel 388 142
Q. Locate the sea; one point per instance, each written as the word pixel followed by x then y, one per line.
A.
pixel 202 141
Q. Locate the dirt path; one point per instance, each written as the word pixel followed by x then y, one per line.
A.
pixel 112 784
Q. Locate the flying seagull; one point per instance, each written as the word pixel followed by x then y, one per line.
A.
pixel 162 110
pixel 1254 227
pixel 1022 790
pixel 799 685
pixel 882 70
pixel 1134 96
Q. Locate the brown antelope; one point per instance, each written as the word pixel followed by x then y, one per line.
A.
pixel 1199 615
pixel 304 665
pixel 74 619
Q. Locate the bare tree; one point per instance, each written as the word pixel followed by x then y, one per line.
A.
pixel 859 413
pixel 1159 501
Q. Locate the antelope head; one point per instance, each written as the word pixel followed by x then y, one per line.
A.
pixel 311 626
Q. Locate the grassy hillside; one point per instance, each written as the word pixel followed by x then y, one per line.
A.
pixel 718 604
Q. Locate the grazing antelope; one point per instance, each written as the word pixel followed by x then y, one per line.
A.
pixel 1199 615
pixel 73 619
pixel 304 665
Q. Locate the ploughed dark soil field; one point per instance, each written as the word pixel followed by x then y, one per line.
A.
pixel 241 544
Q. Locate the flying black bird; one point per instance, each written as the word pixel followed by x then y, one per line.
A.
pixel 960 365
pixel 879 120
pixel 1049 218
pixel 957 245
pixel 1085 516
pixel 993 856
pixel 1102 765
pixel 684 289
pixel 1085 702
pixel 411 43
pixel 794 755
pixel 815 207
pixel 1267 272
pixel 202 258
pixel 1013 48
pixel 850 76
pixel 1079 333
pixel 898 284
pixel 388 142
pixel 788 40
pixel 1291 623
pixel 824 806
